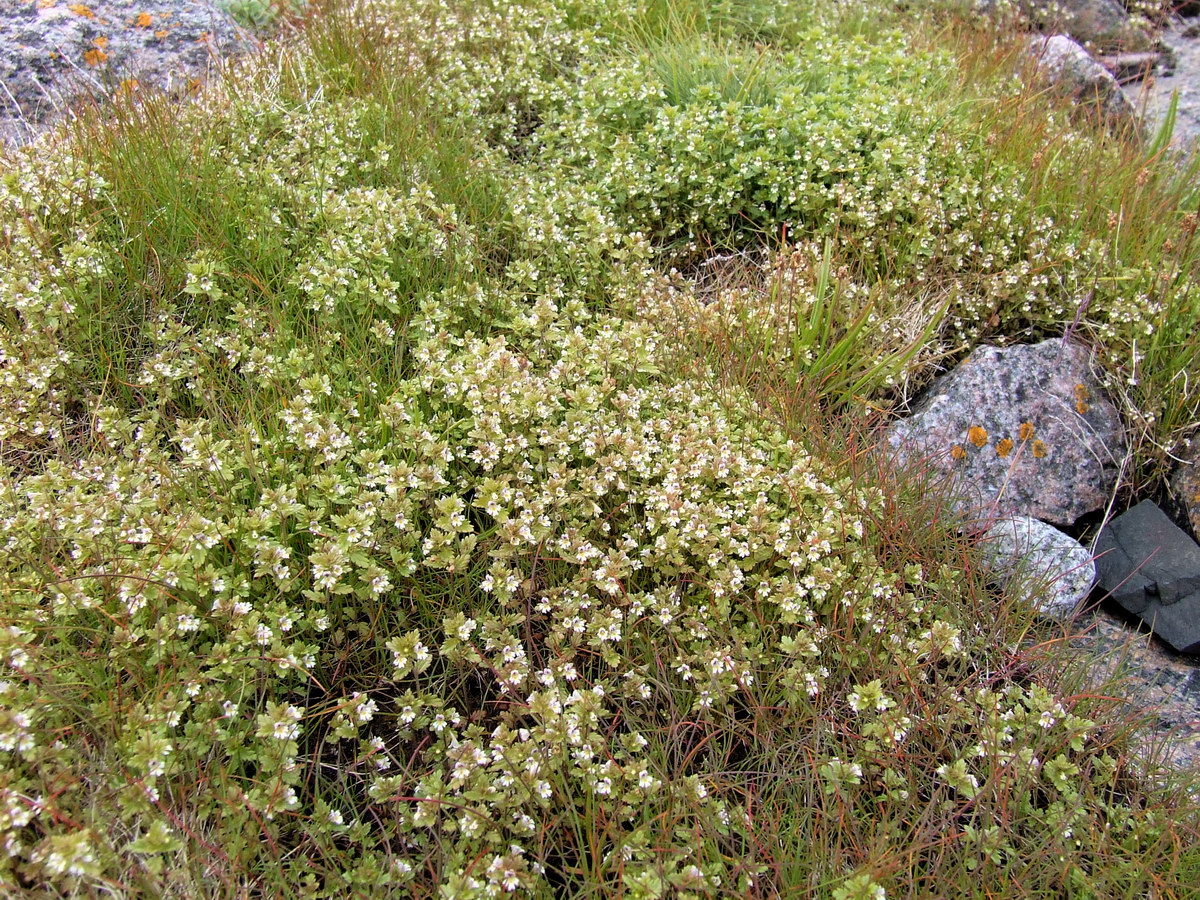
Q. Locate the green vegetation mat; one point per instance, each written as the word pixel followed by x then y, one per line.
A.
pixel 435 463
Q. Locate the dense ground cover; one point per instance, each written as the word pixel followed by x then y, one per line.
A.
pixel 433 462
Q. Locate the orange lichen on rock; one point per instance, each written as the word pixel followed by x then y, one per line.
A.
pixel 94 57
pixel 977 436
pixel 1082 396
pixel 100 43
pixel 143 20
pixel 80 10
pixel 1025 432
pixel 1004 447
pixel 1039 449
pixel 958 451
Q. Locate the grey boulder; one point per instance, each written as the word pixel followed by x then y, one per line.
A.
pixel 1022 430
pixel 1104 23
pixel 1067 66
pixel 53 52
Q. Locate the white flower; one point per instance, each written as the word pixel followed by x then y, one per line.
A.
pixel 366 711
pixel 286 727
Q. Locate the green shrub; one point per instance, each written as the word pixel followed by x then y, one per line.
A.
pixel 453 634
pixel 720 144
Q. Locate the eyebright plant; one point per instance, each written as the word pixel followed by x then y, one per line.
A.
pixel 363 536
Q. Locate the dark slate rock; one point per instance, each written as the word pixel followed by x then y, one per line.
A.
pixel 1022 430
pixel 1051 569
pixel 1152 568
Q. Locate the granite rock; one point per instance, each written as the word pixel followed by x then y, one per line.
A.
pixel 1173 90
pixel 1023 430
pixel 1103 23
pixel 1066 65
pixel 1052 570
pixel 54 52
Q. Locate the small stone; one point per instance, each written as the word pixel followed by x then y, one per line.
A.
pixel 1051 569
pixel 1152 568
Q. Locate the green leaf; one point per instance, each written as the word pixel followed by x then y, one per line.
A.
pixel 158 839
